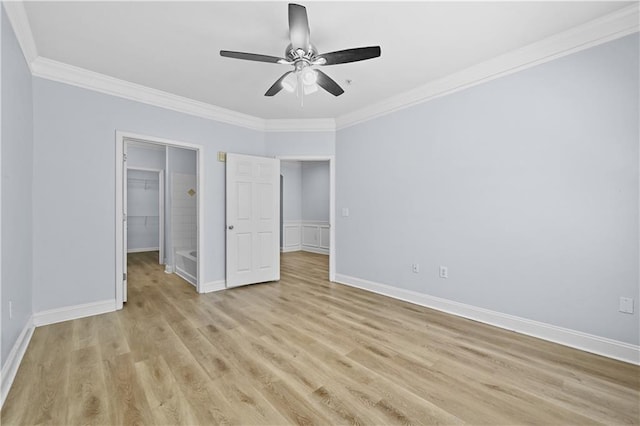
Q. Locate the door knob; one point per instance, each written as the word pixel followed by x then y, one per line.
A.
pixel 230 226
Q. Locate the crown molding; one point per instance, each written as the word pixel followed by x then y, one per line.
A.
pixel 301 125
pixel 609 27
pixel 18 18
pixel 80 77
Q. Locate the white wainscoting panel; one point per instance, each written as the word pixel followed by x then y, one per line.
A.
pixel 315 237
pixel 324 237
pixel 309 236
pixel 292 237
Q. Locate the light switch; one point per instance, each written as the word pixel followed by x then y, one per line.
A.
pixel 345 211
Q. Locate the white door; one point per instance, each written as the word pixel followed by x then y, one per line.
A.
pixel 125 222
pixel 253 214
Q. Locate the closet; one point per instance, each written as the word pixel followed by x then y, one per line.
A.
pixel 143 200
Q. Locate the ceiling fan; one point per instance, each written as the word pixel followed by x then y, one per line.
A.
pixel 304 57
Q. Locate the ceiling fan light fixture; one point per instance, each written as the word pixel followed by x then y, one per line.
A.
pixel 289 83
pixel 309 77
pixel 310 88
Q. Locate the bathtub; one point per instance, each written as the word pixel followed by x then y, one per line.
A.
pixel 187 265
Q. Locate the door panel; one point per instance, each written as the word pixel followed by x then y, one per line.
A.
pixel 253 211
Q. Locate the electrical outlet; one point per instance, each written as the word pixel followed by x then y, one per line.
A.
pixel 626 305
pixel 444 272
pixel 10 309
pixel 415 268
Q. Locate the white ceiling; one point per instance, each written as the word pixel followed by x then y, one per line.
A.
pixel 174 46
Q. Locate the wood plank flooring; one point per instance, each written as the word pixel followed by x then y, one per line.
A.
pixel 303 351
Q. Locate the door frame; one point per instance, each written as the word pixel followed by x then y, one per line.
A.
pixel 120 251
pixel 332 203
pixel 161 208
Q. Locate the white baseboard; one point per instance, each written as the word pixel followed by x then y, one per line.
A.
pixel 10 367
pixel 213 286
pixel 186 276
pixel 289 249
pixel 576 339
pixel 142 250
pixel 73 312
pixel 318 250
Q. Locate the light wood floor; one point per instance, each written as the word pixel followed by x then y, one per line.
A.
pixel 303 351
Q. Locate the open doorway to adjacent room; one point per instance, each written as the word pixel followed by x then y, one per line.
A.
pixel 157 206
pixel 307 206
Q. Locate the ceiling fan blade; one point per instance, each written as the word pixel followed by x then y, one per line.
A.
pixel 277 86
pixel 328 84
pixel 351 55
pixel 298 27
pixel 251 56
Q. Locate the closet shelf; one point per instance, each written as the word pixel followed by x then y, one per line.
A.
pixel 146 182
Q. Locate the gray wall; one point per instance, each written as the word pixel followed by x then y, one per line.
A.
pixel 74 186
pixel 291 172
pixel 315 191
pixel 138 155
pixel 526 187
pixel 300 143
pixel 17 172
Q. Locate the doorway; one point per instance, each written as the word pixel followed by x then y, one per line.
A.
pixel 180 165
pixel 146 208
pixel 308 206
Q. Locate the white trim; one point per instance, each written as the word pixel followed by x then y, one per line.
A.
pixel 606 28
pixel 121 137
pixel 68 313
pixel 12 363
pixel 324 223
pixel 576 339
pixel 300 125
pixel 601 30
pixel 80 77
pixel 317 250
pixel 143 169
pixel 143 250
pixel 287 244
pixel 186 276
pixel 213 286
pixel 332 203
pixel 20 22
pixel 290 249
